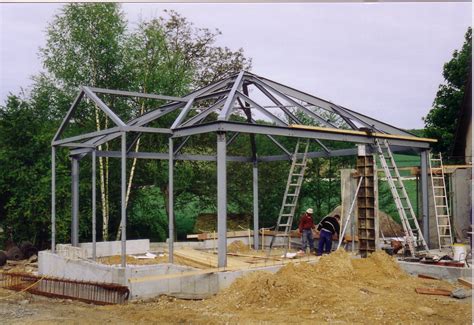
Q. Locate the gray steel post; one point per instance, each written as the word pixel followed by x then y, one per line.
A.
pixel 75 202
pixel 255 206
pixel 424 196
pixel 94 197
pixel 123 223
pixel 221 200
pixel 53 199
pixel 171 202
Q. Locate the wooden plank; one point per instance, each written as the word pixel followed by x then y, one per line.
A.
pixel 254 256
pixel 433 291
pixel 466 283
pixel 215 270
pixel 354 132
pixel 424 276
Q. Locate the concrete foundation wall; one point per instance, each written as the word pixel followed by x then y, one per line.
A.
pixel 442 272
pixel 110 248
pixel 57 266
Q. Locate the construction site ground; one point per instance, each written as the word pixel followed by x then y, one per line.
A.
pixel 337 289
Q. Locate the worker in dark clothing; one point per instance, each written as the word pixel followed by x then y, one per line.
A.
pixel 305 228
pixel 327 228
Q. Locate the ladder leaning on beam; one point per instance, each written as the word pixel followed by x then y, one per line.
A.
pixel 292 192
pixel 440 199
pixel 413 234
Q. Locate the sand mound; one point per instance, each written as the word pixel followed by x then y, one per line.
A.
pixel 238 246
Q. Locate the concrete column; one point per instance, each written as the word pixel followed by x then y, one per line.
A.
pixel 221 200
pixel 255 206
pixel 171 202
pixel 94 206
pixel 424 196
pixel 53 199
pixel 75 202
pixel 123 188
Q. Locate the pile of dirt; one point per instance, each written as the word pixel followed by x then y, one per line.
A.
pixel 238 246
pixel 338 288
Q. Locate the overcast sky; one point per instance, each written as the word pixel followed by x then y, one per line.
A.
pixel 383 60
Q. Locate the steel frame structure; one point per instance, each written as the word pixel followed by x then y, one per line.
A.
pixel 225 98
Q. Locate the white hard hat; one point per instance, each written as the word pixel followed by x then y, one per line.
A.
pixel 310 211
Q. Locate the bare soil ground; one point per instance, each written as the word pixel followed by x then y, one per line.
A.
pixel 338 289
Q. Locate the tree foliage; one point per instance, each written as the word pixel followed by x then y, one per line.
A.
pixel 441 121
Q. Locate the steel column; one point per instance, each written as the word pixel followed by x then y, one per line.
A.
pixel 94 197
pixel 255 205
pixel 424 196
pixel 221 200
pixel 75 202
pixel 123 187
pixel 170 202
pixel 53 199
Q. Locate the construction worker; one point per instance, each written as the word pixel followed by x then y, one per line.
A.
pixel 305 228
pixel 327 228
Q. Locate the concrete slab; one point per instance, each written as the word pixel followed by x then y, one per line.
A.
pixel 442 272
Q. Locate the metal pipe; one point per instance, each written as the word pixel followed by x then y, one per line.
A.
pixel 75 202
pixel 94 197
pixel 170 202
pixel 424 196
pixel 221 200
pixel 53 199
pixel 123 201
pixel 255 205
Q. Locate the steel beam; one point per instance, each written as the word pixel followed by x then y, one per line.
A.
pixel 183 113
pixel 75 202
pixel 226 110
pixel 69 114
pixel 165 156
pixel 382 126
pixel 202 115
pixel 295 103
pixel 135 94
pixel 227 126
pixel 261 109
pixel 143 129
pixel 123 190
pixel 221 201
pixel 255 206
pixel 424 196
pixel 94 203
pixel 86 136
pixel 92 96
pixel 53 199
pixel 170 202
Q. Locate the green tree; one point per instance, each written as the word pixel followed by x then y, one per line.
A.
pixel 441 121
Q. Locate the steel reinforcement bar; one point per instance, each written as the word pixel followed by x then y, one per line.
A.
pixel 90 292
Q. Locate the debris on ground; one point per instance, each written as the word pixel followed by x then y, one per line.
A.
pixel 460 293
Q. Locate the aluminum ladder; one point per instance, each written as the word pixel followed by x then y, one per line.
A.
pixel 292 192
pixel 411 228
pixel 440 199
